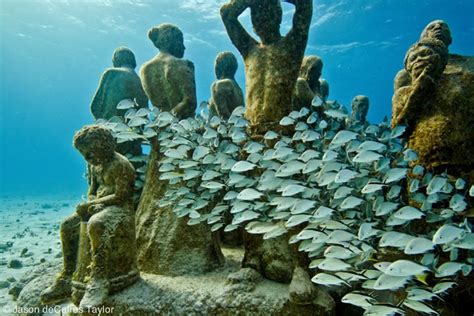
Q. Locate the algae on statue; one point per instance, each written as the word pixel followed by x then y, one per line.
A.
pixel 437 106
pixel 226 94
pixel 91 271
pixel 166 244
pixel 437 29
pixel 272 65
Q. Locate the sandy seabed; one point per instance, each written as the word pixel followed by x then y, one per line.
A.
pixel 29 236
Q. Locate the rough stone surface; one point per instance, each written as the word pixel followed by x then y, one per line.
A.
pixel 34 282
pixel 226 94
pixel 46 269
pixel 437 106
pixel 165 243
pixel 272 65
pixel 308 84
pixel 98 240
pixel 168 79
pixel 208 294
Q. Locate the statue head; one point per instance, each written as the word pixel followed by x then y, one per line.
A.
pixel 360 107
pixel 311 68
pixel 225 65
pixel 266 16
pixel 168 38
pixel 430 54
pixel 439 30
pixel 324 89
pixel 122 57
pixel 95 143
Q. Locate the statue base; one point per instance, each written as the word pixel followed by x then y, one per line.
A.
pixel 210 294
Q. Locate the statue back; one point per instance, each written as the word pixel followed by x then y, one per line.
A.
pixel 116 85
pixel 162 78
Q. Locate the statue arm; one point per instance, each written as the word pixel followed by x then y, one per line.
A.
pixel 301 21
pixel 237 33
pixel 187 86
pixel 99 96
pixel 92 181
pixel 123 190
pixel 406 108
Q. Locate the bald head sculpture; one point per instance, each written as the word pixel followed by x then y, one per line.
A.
pixel 360 108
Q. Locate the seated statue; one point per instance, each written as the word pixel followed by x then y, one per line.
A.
pixel 226 94
pixel 116 84
pixel 272 65
pixel 168 79
pixel 308 85
pixel 437 29
pixel 437 107
pixel 98 240
pixel 165 243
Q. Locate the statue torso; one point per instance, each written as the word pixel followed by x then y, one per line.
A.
pixel 161 80
pixel 117 173
pixel 271 73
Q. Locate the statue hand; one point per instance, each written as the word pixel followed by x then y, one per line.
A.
pixel 82 210
pixel 95 208
pixel 425 78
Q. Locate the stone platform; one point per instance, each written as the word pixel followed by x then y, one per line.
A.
pixel 207 294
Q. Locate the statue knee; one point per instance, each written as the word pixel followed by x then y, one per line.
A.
pixel 69 224
pixel 95 228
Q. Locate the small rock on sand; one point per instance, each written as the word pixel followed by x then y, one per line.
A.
pixel 15 264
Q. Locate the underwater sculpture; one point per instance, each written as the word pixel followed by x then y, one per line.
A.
pixel 116 84
pixel 168 72
pixel 308 84
pixel 437 107
pixel 360 108
pixel 166 244
pixel 271 69
pixel 91 271
pixel 324 89
pixel 226 94
pixel 272 65
pixel 438 30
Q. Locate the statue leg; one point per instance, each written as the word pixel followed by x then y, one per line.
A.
pixel 100 229
pixel 61 288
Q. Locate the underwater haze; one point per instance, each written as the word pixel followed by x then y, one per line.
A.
pixel 52 54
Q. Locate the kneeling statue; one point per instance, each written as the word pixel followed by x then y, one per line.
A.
pixel 98 240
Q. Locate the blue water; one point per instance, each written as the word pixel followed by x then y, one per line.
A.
pixel 52 54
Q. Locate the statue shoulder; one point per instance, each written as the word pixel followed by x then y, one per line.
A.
pixel 123 165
